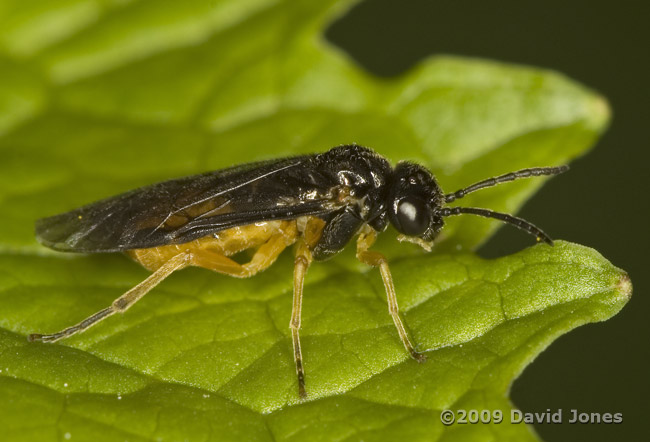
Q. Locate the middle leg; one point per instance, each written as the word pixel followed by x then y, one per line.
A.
pixel 310 236
pixel 301 264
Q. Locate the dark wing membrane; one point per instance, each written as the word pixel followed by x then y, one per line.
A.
pixel 184 209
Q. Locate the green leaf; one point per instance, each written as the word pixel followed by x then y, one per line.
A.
pixel 97 97
pixel 209 357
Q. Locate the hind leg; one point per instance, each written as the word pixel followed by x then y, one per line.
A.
pixel 122 303
pixel 266 254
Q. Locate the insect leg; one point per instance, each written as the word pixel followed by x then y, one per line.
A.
pixel 311 235
pixel 122 303
pixel 366 238
pixel 302 262
pixel 265 255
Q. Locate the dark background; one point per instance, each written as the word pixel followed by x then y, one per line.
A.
pixel 601 203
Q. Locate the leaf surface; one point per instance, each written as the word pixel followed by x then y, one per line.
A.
pixel 98 97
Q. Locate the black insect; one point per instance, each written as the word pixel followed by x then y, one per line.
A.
pixel 318 201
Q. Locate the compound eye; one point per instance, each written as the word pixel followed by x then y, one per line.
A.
pixel 413 216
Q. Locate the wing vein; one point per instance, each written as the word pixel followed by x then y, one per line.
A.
pixel 230 189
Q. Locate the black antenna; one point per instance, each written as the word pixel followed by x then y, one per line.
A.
pixel 524 173
pixel 509 219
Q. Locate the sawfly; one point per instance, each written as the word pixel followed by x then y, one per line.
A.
pixel 319 202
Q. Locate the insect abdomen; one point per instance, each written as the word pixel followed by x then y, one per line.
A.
pixel 225 243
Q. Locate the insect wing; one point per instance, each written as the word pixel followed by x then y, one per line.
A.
pixel 178 211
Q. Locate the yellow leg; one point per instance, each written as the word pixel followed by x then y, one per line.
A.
pixel 303 259
pixel 265 255
pixel 310 236
pixel 376 259
pixel 122 303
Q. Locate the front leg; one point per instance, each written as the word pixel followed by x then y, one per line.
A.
pixel 366 238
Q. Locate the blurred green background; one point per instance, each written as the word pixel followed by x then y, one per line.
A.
pixel 600 203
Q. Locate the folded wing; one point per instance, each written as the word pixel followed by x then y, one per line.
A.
pixel 178 211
